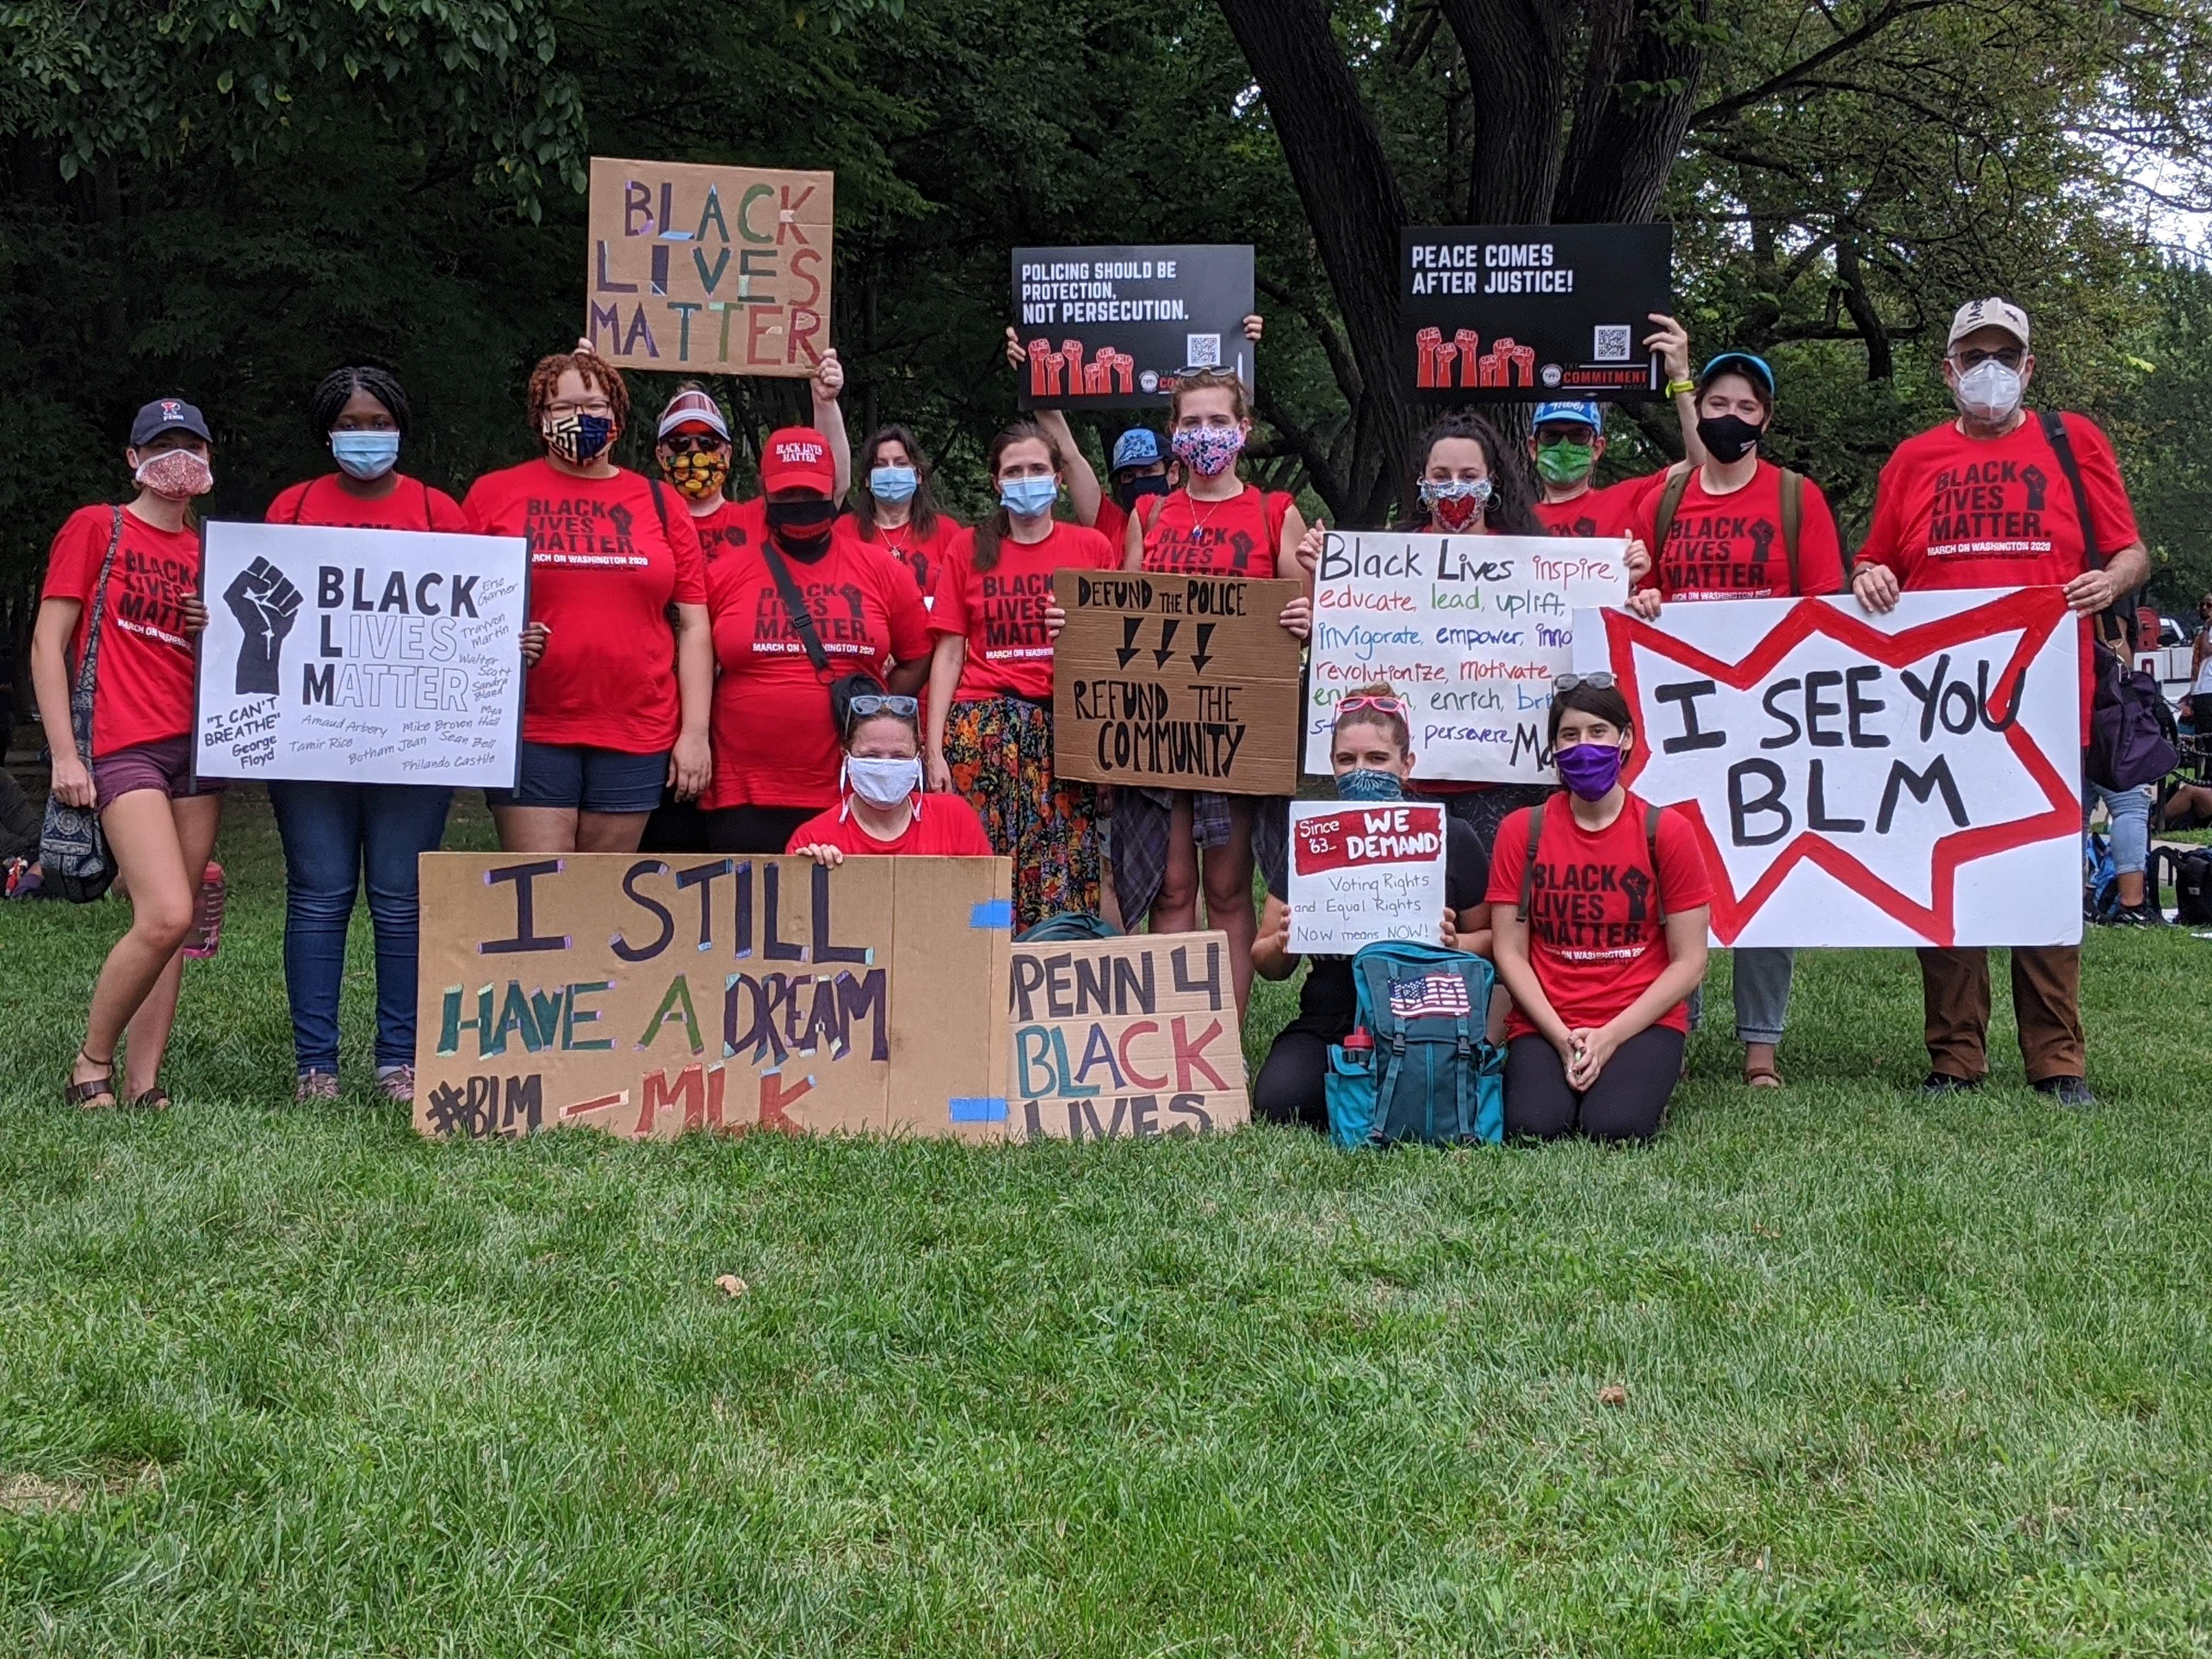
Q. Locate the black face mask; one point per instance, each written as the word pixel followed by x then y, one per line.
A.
pixel 801 528
pixel 1130 492
pixel 1727 437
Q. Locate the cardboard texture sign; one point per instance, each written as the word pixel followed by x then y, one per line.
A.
pixel 646 997
pixel 1856 780
pixel 1117 327
pixel 1532 312
pixel 713 270
pixel 1469 629
pixel 361 656
pixel 1177 682
pixel 1362 871
pixel 1124 1039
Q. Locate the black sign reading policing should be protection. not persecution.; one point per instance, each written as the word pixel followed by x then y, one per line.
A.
pixel 1115 327
pixel 1528 313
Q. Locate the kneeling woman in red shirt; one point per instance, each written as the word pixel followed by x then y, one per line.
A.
pixel 1598 907
pixel 883 812
pixel 990 683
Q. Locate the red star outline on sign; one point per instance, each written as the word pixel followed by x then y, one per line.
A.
pixel 2038 611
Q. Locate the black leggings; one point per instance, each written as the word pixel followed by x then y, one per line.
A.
pixel 1624 1103
pixel 1289 1089
pixel 757 829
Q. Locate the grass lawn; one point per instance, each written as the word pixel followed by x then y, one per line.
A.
pixel 1899 1378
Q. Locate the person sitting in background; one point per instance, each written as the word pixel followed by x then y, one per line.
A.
pixel 1371 756
pixel 883 811
pixel 1598 922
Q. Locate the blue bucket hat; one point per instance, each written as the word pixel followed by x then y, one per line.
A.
pixel 1138 446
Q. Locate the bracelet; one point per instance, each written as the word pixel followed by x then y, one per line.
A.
pixel 1676 388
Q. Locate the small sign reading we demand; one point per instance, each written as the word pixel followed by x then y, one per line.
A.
pixel 1361 872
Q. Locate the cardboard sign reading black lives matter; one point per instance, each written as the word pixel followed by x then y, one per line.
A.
pixel 1532 312
pixel 1115 327
pixel 1177 682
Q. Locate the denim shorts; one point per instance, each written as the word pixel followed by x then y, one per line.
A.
pixel 166 766
pixel 585 779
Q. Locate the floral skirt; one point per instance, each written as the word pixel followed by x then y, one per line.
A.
pixel 999 751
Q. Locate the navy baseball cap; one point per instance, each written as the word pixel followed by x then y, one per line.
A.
pixel 1586 414
pixel 1753 367
pixel 1138 446
pixel 167 414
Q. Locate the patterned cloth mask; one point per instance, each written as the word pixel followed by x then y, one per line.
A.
pixel 1456 502
pixel 698 475
pixel 177 474
pixel 1209 451
pixel 579 440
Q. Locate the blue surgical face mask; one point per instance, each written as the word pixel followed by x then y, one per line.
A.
pixel 1027 497
pixel 893 484
pixel 365 455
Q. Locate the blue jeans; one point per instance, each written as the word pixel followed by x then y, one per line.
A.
pixel 333 832
pixel 1762 993
pixel 2130 814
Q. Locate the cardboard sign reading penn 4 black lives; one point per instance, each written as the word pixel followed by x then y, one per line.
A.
pixel 1532 312
pixel 1125 1039
pixel 1176 681
pixel 1115 327
pixel 646 997
pixel 724 269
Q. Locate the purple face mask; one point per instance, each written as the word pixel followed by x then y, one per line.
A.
pixel 1590 769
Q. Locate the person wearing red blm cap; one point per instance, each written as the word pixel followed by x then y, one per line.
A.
pixel 797 610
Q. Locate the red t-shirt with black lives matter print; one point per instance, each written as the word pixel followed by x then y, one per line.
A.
pixel 1951 511
pixel 923 555
pixel 1607 511
pixel 603 573
pixel 142 686
pixel 1238 536
pixel 1595 937
pixel 774 744
pixel 408 505
pixel 1730 546
pixel 1000 612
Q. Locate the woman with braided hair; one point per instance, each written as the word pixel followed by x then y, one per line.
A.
pixel 336 835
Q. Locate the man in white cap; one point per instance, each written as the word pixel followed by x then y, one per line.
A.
pixel 1997 498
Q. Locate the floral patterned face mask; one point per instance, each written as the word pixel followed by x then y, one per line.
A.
pixel 579 440
pixel 1208 450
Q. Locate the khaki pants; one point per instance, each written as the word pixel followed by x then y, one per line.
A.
pixel 2046 1005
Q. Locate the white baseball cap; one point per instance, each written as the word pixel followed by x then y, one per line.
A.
pixel 1987 314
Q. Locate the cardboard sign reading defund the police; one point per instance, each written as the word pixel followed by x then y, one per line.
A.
pixel 646 997
pixel 1125 1039
pixel 1531 312
pixel 1176 681
pixel 1362 872
pixel 715 269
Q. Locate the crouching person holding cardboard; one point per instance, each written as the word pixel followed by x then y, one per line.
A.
pixel 1371 755
pixel 1598 904
pixel 883 813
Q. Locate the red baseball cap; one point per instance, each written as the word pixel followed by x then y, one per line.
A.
pixel 798 458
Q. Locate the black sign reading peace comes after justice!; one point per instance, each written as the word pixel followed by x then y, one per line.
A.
pixel 1532 312
pixel 1115 327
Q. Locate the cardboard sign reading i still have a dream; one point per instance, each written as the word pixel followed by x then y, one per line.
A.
pixel 1177 682
pixel 646 997
pixel 712 269
pixel 1362 871
pixel 1124 1039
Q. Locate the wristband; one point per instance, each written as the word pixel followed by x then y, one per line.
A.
pixel 1676 388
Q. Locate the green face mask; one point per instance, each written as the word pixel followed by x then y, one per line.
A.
pixel 1566 463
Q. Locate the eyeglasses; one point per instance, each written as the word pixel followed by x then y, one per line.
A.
pixel 1598 682
pixel 1384 705
pixel 600 407
pixel 694 443
pixel 869 704
pixel 2010 356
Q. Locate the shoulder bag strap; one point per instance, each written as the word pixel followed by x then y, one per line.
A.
pixel 2109 625
pixel 1651 846
pixel 300 507
pixel 1528 864
pixel 1793 519
pixel 802 619
pixel 80 694
pixel 1671 503
pixel 659 507
pixel 428 522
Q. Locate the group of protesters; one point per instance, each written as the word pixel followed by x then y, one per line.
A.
pixel 832 667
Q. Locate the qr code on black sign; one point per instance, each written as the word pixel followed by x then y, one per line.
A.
pixel 1201 351
pixel 1611 343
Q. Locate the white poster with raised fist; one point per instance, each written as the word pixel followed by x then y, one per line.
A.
pixel 361 656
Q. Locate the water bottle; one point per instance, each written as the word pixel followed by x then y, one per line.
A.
pixel 207 920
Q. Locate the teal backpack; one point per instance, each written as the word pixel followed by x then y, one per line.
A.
pixel 1433 1075
pixel 1068 925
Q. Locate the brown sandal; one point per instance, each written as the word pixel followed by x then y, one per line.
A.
pixel 84 1094
pixel 155 1099
pixel 1761 1077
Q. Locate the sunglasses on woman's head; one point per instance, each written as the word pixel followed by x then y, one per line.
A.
pixel 1598 682
pixel 1387 705
pixel 869 704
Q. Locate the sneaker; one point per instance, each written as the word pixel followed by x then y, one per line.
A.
pixel 2066 1090
pixel 396 1083
pixel 1942 1083
pixel 317 1086
pixel 2137 916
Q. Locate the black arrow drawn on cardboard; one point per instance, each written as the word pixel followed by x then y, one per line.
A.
pixel 1168 630
pixel 1203 655
pixel 1128 646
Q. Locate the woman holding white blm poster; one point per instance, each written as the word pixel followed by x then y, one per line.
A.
pixel 618 704
pixel 990 681
pixel 1598 905
pixel 336 836
pixel 1371 755
pixel 117 617
pixel 1216 524
pixel 1736 526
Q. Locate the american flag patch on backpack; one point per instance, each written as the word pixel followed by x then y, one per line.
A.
pixel 1432 993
